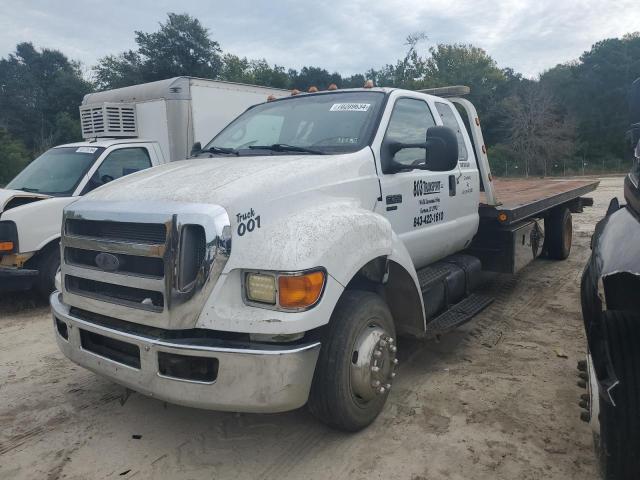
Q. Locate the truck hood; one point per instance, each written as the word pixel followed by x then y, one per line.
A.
pixel 14 198
pixel 232 181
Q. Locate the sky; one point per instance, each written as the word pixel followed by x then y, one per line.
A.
pixel 347 36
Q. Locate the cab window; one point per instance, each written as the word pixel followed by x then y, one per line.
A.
pixel 119 163
pixel 410 120
pixel 449 120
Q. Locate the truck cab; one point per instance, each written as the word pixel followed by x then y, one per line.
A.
pixel 31 205
pixel 280 266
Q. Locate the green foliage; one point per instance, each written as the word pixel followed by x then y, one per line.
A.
pixel 182 46
pixel 594 91
pixel 572 119
pixel 13 156
pixel 39 96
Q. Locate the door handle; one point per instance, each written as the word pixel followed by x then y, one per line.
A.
pixel 452 185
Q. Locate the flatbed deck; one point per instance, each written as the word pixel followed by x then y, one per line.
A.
pixel 524 198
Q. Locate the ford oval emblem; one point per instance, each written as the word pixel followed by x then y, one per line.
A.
pixel 107 261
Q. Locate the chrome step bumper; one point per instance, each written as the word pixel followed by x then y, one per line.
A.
pixel 248 379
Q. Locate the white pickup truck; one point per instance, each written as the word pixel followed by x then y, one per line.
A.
pixel 279 267
pixel 125 130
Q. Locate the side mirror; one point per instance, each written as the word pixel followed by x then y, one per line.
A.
pixel 441 152
pixel 442 149
pixel 197 148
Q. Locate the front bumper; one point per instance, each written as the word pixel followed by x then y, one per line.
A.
pixel 16 279
pixel 256 379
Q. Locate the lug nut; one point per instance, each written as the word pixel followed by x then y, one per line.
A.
pixel 582 384
pixel 377 354
pixel 395 361
pixel 375 383
pixel 375 369
pixel 393 349
pixel 585 417
pixel 582 365
pixel 388 386
pixel 391 340
pixel 393 374
pixel 381 390
pixel 382 343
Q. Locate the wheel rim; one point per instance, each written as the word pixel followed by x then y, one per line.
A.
pixel 373 362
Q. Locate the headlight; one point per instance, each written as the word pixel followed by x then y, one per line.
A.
pixel 8 237
pixel 285 291
pixel 261 288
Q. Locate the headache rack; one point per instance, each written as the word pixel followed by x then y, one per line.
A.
pixel 447 92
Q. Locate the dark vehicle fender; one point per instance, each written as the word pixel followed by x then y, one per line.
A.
pixel 610 281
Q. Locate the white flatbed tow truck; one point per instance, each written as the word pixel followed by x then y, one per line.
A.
pixel 279 267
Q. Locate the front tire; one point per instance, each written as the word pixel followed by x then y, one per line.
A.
pixel 356 364
pixel 48 266
pixel 619 440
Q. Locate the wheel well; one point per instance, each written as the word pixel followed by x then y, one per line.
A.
pixel 395 285
pixel 33 261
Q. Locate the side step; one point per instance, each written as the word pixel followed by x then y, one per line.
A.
pixel 457 315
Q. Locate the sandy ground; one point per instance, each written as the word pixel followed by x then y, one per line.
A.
pixel 493 400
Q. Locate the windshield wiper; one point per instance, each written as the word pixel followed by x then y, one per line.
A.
pixel 283 147
pixel 228 151
pixel 30 190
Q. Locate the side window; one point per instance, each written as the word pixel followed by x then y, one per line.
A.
pixel 119 163
pixel 449 120
pixel 122 162
pixel 409 122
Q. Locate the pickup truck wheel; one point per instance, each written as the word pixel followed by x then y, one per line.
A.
pixel 558 233
pixel 356 364
pixel 619 441
pixel 48 265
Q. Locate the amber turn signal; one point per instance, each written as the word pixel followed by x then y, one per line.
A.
pixel 300 291
pixel 6 246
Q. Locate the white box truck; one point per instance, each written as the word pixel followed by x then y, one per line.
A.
pixel 125 130
pixel 279 267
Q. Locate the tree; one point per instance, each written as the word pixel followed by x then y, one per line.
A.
pixel 538 131
pixel 13 156
pixel 180 47
pixel 594 91
pixel 257 72
pixel 40 92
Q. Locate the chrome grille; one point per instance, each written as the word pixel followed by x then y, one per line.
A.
pixel 127 231
pixel 123 259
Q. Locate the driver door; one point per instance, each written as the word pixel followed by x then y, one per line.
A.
pixel 417 202
pixel 118 163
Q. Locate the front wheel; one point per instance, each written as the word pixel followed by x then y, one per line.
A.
pixel 356 364
pixel 618 443
pixel 48 266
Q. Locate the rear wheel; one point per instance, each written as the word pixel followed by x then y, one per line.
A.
pixel 619 440
pixel 558 233
pixel 48 266
pixel 356 364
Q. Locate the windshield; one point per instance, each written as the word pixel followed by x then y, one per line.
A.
pixel 57 171
pixel 330 123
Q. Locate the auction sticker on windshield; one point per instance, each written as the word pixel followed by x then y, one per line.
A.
pixel 86 150
pixel 349 107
